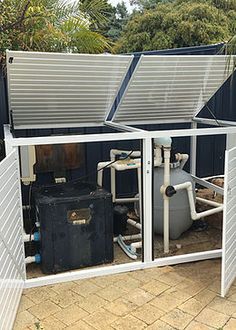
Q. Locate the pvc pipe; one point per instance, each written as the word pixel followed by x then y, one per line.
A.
pixel 128 237
pixel 29 260
pixel 183 158
pixel 157 156
pixel 126 200
pixel 208 202
pixel 136 245
pixel 122 166
pixel 100 172
pixel 194 214
pixel 36 258
pixel 117 152
pixel 166 199
pixel 33 237
pixel 134 224
pixel 140 195
pixel 113 176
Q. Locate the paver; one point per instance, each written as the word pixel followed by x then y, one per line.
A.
pixel 128 322
pixel 71 314
pixel 44 309
pixel 212 318
pixel 136 300
pixel 148 313
pixel 231 324
pixel 177 319
pixel 192 306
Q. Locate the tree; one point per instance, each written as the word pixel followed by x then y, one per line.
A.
pixel 146 4
pixel 179 23
pixel 51 25
pixel 116 19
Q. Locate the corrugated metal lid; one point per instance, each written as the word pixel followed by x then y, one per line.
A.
pixel 48 90
pixel 172 88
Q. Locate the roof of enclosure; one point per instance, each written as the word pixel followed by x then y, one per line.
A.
pixel 48 90
pixel 62 90
pixel 171 88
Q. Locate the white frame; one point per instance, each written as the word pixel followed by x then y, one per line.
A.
pixel 130 134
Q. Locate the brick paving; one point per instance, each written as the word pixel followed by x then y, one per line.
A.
pixel 180 297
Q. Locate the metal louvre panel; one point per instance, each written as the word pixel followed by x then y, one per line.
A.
pixel 62 90
pixel 12 262
pixel 229 223
pixel 165 88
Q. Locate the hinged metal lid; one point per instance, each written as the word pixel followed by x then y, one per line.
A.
pixel 48 90
pixel 172 88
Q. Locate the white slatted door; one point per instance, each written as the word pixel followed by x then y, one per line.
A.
pixel 12 266
pixel 229 223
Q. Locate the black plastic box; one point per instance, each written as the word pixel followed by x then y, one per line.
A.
pixel 76 226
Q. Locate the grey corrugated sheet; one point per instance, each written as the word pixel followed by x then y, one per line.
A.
pixel 62 90
pixel 169 89
pixel 210 149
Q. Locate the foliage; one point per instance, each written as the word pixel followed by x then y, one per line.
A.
pixel 147 4
pixel 116 19
pixel 179 23
pixel 51 25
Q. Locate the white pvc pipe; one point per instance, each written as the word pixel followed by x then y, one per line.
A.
pixel 157 156
pixel 27 238
pixel 113 177
pixel 140 194
pixel 134 224
pixel 100 167
pixel 208 202
pixel 30 259
pixel 136 245
pixel 117 152
pixel 127 200
pixel 130 164
pixel 182 158
pixel 166 199
pixel 194 214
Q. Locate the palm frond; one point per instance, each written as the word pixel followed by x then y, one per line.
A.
pixel 94 10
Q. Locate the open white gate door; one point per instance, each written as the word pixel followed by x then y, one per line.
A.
pixel 229 223
pixel 12 266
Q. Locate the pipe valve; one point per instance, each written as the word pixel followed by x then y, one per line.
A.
pixel 170 191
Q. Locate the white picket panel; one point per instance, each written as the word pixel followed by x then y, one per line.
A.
pixel 12 266
pixel 229 223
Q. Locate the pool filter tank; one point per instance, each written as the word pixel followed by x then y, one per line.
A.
pixel 168 172
pixel 179 210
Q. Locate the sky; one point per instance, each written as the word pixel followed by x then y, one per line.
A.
pixel 115 2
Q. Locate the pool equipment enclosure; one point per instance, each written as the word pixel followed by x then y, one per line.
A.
pixel 161 89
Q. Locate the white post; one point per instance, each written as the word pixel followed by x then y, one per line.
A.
pixel 193 151
pixel 7 139
pixel 147 199
pixel 230 141
pixel 20 201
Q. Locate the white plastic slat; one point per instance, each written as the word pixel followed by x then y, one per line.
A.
pixel 12 267
pixel 172 87
pixel 53 90
pixel 229 223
